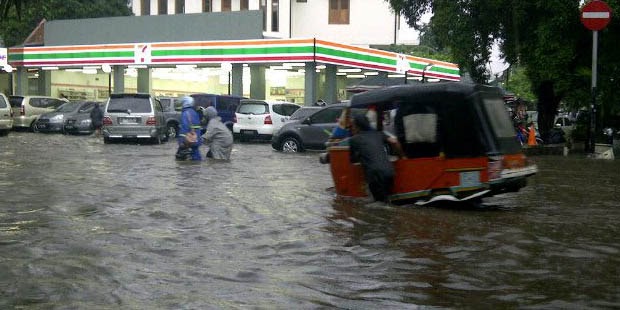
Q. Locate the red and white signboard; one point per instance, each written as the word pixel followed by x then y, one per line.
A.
pixel 596 15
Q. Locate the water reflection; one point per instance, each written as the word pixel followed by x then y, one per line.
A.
pixel 91 226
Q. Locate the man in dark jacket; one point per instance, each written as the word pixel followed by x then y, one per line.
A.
pixel 367 147
pixel 96 119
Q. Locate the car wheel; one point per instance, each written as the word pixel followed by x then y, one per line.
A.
pixel 106 140
pixel 33 127
pixel 291 145
pixel 172 130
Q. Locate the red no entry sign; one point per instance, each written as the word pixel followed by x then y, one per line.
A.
pixel 595 15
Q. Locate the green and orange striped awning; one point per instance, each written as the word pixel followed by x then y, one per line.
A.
pixel 244 51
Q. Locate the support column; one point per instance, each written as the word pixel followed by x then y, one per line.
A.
pixel 331 87
pixel 237 79
pixel 310 84
pixel 119 79
pixel 21 81
pixel 257 85
pixel 44 83
pixel 145 83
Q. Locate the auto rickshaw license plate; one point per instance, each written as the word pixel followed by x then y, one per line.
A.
pixel 470 178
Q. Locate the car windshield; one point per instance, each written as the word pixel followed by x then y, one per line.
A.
pixel 67 107
pixel 16 101
pixel 2 102
pixel 253 108
pixel 129 105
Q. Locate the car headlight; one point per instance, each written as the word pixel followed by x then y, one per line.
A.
pixel 85 121
pixel 57 118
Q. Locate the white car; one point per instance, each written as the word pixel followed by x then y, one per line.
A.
pixel 259 119
pixel 6 115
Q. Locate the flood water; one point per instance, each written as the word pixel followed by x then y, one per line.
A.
pixel 85 225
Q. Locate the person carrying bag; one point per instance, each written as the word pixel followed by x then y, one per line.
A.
pixel 188 137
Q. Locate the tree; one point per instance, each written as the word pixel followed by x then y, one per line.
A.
pixel 19 19
pixel 545 37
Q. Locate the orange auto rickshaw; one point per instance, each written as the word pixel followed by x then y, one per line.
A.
pixel 458 140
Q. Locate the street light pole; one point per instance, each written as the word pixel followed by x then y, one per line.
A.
pixel 426 68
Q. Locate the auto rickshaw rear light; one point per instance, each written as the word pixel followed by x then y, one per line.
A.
pixel 268 120
pixel 107 120
pixel 495 167
pixel 152 121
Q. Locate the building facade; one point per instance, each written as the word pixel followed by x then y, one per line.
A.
pixel 215 47
pixel 355 22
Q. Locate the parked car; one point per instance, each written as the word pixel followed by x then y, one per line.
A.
pixel 26 109
pixel 55 121
pixel 259 119
pixel 224 104
pixel 172 113
pixel 79 122
pixel 311 132
pixel 6 115
pixel 565 123
pixel 134 116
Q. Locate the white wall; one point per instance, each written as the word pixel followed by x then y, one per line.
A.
pixel 371 21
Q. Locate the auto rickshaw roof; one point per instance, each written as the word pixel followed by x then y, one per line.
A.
pixel 389 97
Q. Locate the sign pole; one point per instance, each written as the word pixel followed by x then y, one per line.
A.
pixel 595 15
pixel 592 127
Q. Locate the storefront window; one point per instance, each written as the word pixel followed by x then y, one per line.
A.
pixel 162 6
pixel 145 7
pixel 338 11
pixel 275 10
pixel 206 6
pixel 179 7
pixel 226 5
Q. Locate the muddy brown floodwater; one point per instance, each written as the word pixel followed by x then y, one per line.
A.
pixel 85 225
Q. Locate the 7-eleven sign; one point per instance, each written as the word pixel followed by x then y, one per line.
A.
pixel 4 57
pixel 142 53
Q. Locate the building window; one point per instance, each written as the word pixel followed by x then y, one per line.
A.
pixel 179 7
pixel 226 6
pixel 338 11
pixel 145 7
pixel 275 10
pixel 244 5
pixel 263 7
pixel 162 7
pixel 206 6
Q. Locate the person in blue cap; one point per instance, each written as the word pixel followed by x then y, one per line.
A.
pixel 190 123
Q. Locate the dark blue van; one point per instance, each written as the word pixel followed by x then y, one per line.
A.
pixel 224 104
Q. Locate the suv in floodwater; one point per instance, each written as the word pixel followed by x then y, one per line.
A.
pixel 172 113
pixel 134 116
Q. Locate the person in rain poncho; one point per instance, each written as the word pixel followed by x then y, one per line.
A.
pixel 190 121
pixel 218 137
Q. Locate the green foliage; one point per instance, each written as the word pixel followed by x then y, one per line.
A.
pixel 519 84
pixel 16 25
pixel 543 37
